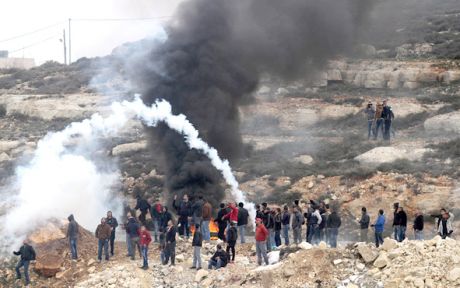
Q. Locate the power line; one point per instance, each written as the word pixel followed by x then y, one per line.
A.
pixel 34 44
pixel 120 19
pixel 31 32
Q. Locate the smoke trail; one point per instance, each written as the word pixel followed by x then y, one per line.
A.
pixel 62 178
pixel 211 62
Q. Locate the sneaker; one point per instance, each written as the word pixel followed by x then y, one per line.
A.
pixel 193 267
pixel 145 268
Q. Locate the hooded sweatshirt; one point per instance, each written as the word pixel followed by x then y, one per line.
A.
pixel 72 229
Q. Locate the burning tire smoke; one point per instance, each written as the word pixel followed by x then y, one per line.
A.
pixel 212 60
pixel 62 178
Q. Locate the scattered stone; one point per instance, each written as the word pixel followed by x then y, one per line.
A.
pixel 368 254
pixel 305 246
pixel 200 275
pixel 381 261
pixel 337 261
pixel 453 274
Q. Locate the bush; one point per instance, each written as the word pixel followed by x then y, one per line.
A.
pixel 2 111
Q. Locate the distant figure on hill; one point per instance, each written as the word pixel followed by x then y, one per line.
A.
pixel 418 226
pixel 112 221
pixel 445 226
pixel 379 226
pixel 27 254
pixel 144 241
pixel 378 119
pixel 388 116
pixel 144 206
pixel 370 113
pixel 103 232
pixel 72 235
pixel 243 216
pixel 364 225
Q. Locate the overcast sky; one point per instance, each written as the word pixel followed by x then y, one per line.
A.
pixel 89 38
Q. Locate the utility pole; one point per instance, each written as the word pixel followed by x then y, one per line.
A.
pixel 70 44
pixel 65 47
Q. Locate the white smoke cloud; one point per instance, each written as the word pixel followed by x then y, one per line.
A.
pixel 62 178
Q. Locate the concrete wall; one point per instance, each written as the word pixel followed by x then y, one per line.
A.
pixel 22 63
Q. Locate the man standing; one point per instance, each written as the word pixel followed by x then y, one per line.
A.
pixel 378 121
pixel 418 226
pixel 401 223
pixel 269 223
pixel 207 215
pixel 297 224
pixel 197 242
pixel 395 221
pixel 221 223
pixel 388 116
pixel 445 226
pixel 144 241
pixel 170 244
pixel 72 235
pixel 243 216
pixel 144 206
pixel 112 221
pixel 155 212
pixel 197 210
pixel 261 242
pixel 364 224
pixel 184 210
pixel 333 224
pixel 379 226
pixel 164 218
pixel 370 113
pixel 315 221
pixel 132 230
pixel 103 232
pixel 27 254
pixel 232 237
pixel 285 220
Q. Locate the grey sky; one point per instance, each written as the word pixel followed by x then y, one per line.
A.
pixel 89 38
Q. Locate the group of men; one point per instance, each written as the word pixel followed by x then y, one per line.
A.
pixel 321 221
pixel 379 119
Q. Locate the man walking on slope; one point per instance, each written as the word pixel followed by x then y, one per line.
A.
pixel 27 254
pixel 103 232
pixel 72 235
pixel 261 242
pixel 379 226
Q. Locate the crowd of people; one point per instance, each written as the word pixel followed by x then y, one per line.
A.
pixel 379 119
pixel 273 226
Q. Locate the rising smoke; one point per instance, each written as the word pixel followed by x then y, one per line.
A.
pixel 212 60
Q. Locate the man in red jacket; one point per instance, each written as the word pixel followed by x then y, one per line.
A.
pixel 144 241
pixel 261 242
pixel 233 214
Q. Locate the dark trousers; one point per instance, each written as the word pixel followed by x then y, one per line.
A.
pixel 221 233
pixel 386 132
pixel 142 216
pixel 103 244
pixel 184 227
pixel 231 247
pixel 170 252
pixel 278 238
pixel 25 264
pixel 378 238
pixel 333 233
pixel 112 242
pixel 378 127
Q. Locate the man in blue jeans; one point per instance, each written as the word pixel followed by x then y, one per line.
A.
pixel 103 232
pixel 370 113
pixel 378 226
pixel 27 254
pixel 285 220
pixel 72 235
pixel 219 259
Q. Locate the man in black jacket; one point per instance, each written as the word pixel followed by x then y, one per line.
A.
pixel 243 216
pixel 418 226
pixel 197 242
pixel 221 224
pixel 219 259
pixel 401 224
pixel 144 206
pixel 170 251
pixel 285 221
pixel 388 116
pixel 72 235
pixel 163 218
pixel 269 222
pixel 184 210
pixel 27 253
pixel 197 210
pixel 112 221
pixel 333 223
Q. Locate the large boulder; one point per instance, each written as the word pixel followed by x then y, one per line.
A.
pixel 381 155
pixel 445 123
pixel 367 253
pixel 49 265
pixel 129 148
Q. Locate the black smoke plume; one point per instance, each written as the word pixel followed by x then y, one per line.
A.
pixel 211 63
